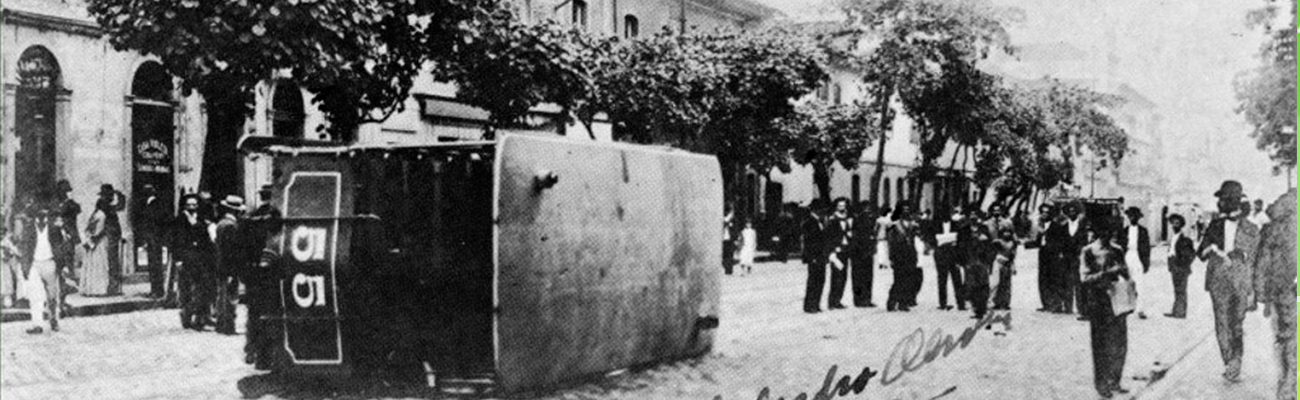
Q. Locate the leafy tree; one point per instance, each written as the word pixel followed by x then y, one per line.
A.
pixel 513 67
pixel 1267 94
pixel 911 47
pixel 825 134
pixel 1033 130
pixel 358 57
pixel 723 93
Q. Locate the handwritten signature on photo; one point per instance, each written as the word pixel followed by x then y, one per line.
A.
pixel 910 354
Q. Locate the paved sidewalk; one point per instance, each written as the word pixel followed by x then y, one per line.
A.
pixel 1199 375
pixel 134 298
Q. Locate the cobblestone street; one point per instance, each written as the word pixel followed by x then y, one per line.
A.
pixel 764 341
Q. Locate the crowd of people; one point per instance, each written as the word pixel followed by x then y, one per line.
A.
pixel 974 255
pixel 214 246
pixel 46 256
pixel 1085 263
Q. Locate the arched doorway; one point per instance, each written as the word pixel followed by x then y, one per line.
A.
pixel 153 131
pixel 36 163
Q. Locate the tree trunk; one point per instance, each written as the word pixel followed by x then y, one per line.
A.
pixel 885 93
pixel 822 179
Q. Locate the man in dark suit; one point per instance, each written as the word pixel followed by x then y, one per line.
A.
pixel 1229 249
pixel 153 214
pixel 940 235
pixel 814 244
pixel 837 241
pixel 1048 252
pixel 1069 235
pixel 863 253
pixel 194 257
pixel 1182 251
pixel 902 254
pixel 1135 241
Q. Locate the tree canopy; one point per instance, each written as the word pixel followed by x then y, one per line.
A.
pixel 723 92
pixel 1267 93
pixel 359 58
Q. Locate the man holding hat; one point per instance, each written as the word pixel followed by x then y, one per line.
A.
pixel 231 258
pixel 1229 249
pixel 1135 241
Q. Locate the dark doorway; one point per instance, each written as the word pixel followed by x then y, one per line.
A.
pixel 36 163
pixel 152 134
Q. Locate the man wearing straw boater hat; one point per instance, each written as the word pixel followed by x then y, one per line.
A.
pixel 1229 248
pixel 231 257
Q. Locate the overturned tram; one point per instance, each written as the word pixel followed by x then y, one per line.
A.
pixel 525 262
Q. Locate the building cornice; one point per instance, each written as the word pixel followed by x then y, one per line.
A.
pixel 50 22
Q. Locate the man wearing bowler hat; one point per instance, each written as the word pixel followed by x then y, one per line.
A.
pixel 1229 248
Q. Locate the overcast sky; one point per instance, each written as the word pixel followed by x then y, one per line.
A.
pixel 1183 55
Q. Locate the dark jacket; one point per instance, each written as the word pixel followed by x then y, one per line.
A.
pixel 1144 246
pixel 902 248
pixel 187 237
pixel 1181 255
pixel 1235 272
pixel 59 244
pixel 814 243
pixel 153 217
pixel 839 236
pixel 864 237
pixel 1063 243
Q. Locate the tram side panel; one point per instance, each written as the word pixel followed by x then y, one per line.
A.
pixel 614 263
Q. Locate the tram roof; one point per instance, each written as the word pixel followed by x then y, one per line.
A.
pixel 296 146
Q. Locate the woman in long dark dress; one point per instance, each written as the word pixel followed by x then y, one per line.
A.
pixel 1101 264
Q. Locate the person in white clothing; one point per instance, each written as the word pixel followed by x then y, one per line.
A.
pixel 1136 243
pixel 748 246
pixel 42 276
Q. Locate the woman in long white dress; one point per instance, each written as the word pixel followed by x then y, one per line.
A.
pixel 95 279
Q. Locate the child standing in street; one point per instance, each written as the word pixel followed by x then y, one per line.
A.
pixel 748 246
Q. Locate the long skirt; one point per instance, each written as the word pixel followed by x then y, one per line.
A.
pixel 96 277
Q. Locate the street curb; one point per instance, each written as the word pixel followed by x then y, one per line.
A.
pixel 125 306
pixel 1158 388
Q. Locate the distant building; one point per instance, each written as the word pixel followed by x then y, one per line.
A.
pixel 902 155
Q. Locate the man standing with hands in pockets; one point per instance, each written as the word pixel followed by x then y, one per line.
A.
pixel 1229 248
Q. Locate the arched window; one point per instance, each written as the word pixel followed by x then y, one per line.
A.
pixel 36 163
pixel 837 93
pixel 580 13
pixel 902 189
pixel 287 114
pixel 631 26
pixel 37 69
